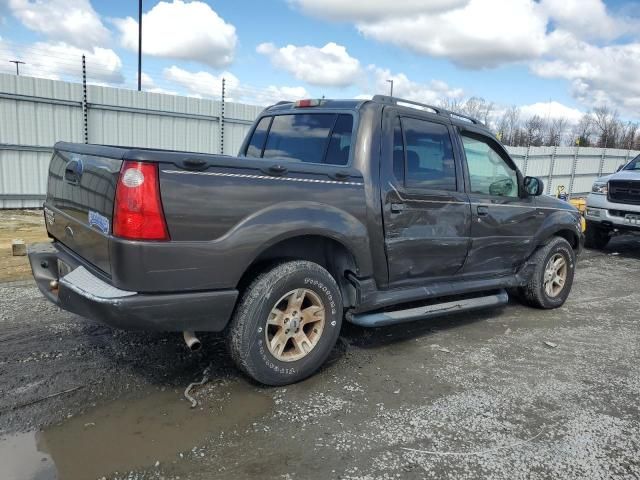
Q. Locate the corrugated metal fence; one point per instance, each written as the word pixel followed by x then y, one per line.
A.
pixel 35 113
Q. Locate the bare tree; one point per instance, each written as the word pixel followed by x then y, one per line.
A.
pixel 534 130
pixel 583 131
pixel 555 130
pixel 628 136
pixel 606 125
pixel 475 107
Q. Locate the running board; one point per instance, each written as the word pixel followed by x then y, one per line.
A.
pixel 399 316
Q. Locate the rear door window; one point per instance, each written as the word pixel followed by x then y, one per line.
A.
pixel 311 138
pixel 429 159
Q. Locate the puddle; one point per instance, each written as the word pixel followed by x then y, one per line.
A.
pixel 21 459
pixel 128 434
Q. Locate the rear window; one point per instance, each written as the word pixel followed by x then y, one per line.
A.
pixel 311 138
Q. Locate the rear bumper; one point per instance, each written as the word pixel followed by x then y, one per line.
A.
pixel 83 293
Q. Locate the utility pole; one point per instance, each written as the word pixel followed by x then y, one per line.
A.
pixel 139 45
pixel 18 63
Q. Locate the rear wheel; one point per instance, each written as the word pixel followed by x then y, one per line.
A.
pixel 286 323
pixel 596 236
pixel 551 282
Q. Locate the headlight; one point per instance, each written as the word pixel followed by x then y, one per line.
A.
pixel 600 187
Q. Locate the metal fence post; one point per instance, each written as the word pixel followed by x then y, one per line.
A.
pixel 552 165
pixel 85 116
pixel 526 161
pixel 602 158
pixel 222 119
pixel 573 171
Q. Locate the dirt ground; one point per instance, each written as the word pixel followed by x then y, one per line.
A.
pixel 27 225
pixel 512 393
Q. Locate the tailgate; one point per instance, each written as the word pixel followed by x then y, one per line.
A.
pixel 80 196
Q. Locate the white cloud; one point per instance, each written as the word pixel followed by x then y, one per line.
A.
pixel 330 65
pixel 59 61
pixel 432 91
pixel 475 33
pixel 149 85
pixel 368 10
pixel 598 75
pixel 200 83
pixel 181 30
pixel 267 96
pixel 483 33
pixel 586 18
pixel 206 84
pixel 73 22
pixel 551 110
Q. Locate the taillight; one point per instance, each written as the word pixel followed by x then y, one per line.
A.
pixel 137 213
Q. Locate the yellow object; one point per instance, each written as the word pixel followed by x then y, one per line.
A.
pixel 579 203
pixel 583 224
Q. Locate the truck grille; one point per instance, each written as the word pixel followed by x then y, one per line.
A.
pixel 624 191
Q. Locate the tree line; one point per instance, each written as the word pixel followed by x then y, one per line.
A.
pixel 600 127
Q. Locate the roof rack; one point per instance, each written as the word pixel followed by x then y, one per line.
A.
pixel 438 110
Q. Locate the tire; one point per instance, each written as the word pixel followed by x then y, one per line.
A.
pixel 596 237
pixel 535 293
pixel 252 342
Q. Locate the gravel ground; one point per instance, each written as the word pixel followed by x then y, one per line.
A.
pixel 467 396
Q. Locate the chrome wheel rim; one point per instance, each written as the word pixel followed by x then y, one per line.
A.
pixel 295 325
pixel 555 275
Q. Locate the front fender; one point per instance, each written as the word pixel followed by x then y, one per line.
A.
pixel 556 222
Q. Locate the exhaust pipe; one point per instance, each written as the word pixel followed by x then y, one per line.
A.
pixel 192 341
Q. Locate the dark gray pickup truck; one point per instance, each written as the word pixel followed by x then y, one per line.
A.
pixel 378 211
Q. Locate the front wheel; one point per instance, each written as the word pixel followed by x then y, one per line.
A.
pixel 286 323
pixel 551 282
pixel 596 237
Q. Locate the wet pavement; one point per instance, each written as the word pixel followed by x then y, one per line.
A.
pixel 476 395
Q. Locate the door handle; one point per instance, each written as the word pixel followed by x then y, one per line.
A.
pixel 340 176
pixel 483 210
pixel 397 207
pixel 275 170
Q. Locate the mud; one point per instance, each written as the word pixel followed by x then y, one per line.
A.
pixel 467 396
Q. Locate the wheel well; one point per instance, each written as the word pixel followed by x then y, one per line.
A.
pixel 329 253
pixel 569 235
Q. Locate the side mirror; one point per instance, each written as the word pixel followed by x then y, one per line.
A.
pixel 533 186
pixel 620 167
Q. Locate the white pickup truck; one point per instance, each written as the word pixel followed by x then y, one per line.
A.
pixel 613 206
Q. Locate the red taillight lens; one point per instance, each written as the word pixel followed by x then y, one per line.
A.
pixel 137 214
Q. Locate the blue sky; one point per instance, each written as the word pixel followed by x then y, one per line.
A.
pixel 551 57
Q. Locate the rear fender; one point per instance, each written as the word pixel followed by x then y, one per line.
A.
pixel 285 221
